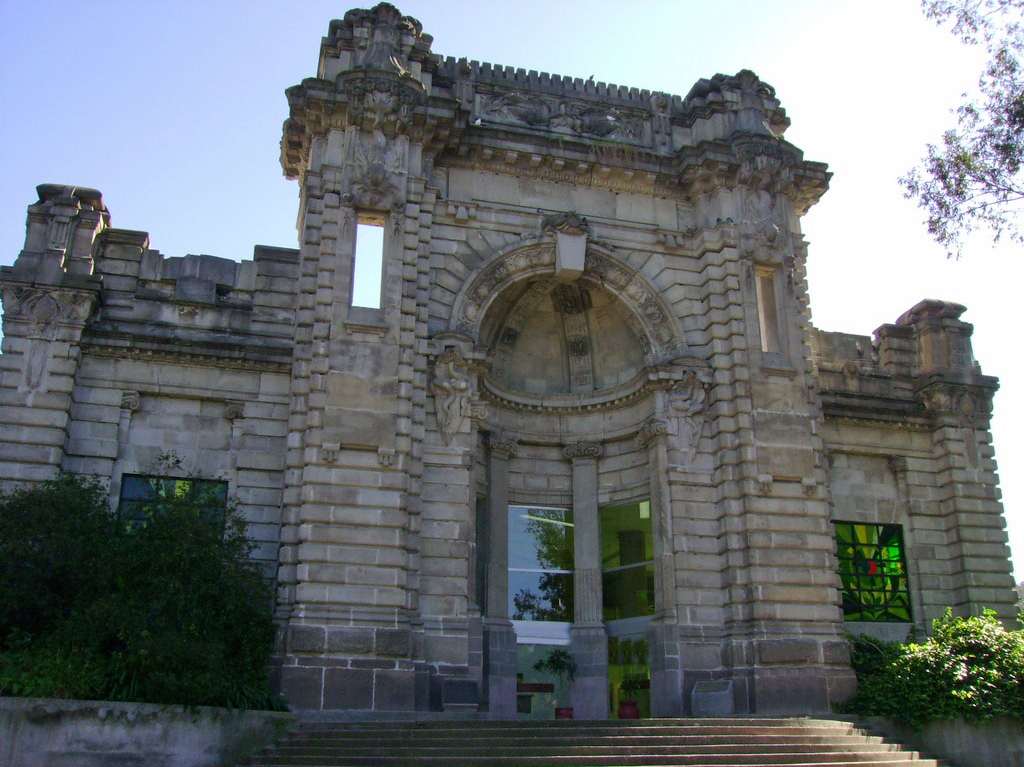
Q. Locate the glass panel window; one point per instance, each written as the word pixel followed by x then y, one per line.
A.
pixel 540 564
pixel 627 560
pixel 142 496
pixel 873 572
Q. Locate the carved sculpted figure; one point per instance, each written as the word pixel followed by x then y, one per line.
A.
pixel 687 405
pixel 451 390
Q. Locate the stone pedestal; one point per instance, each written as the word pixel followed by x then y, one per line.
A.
pixel 500 668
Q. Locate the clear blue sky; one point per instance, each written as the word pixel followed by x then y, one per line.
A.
pixel 174 111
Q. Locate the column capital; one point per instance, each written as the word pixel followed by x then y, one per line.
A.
pixel 503 446
pixel 651 429
pixel 580 449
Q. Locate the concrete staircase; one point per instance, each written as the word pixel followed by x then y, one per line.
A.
pixel 693 742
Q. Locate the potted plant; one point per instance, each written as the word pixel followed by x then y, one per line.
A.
pixel 628 688
pixel 561 664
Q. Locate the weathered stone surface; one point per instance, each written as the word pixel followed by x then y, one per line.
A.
pixel 590 297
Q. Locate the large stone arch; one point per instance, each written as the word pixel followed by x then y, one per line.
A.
pixel 653 320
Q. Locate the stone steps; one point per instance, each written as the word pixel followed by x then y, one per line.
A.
pixel 737 742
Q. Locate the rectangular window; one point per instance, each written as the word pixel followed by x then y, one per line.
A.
pixel 768 311
pixel 627 561
pixel 540 564
pixel 873 571
pixel 367 271
pixel 142 496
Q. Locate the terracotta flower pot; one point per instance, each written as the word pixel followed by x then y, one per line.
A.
pixel 628 709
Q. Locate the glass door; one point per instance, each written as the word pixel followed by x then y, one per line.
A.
pixel 627 578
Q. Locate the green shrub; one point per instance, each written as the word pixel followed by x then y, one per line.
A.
pixel 970 667
pixel 170 611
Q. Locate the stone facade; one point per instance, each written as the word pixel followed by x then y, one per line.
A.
pixel 591 295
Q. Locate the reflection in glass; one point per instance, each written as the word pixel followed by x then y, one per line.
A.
pixel 540 558
pixel 627 554
pixel 629 674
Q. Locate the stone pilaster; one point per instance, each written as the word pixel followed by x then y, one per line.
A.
pixel 499 636
pixel 666 673
pixel 588 634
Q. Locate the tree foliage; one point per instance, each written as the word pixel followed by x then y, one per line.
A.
pixel 973 179
pixel 970 668
pixel 169 611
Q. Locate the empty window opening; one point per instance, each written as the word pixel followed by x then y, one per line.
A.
pixel 768 311
pixel 368 270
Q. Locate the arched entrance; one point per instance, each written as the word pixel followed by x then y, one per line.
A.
pixel 574 533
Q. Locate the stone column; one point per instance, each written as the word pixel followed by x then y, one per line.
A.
pixel 499 636
pixel 588 634
pixel 666 674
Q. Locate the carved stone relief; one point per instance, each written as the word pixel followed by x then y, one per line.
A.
pixel 561 115
pixel 687 403
pixel 452 390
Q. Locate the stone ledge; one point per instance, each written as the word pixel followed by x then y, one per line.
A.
pixel 38 731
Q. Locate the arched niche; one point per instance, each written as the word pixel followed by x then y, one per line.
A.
pixel 650 320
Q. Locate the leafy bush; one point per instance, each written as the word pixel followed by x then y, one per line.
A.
pixel 970 667
pixel 170 611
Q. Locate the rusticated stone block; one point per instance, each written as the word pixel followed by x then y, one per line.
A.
pixel 836 653
pixel 394 690
pixel 393 642
pixel 771 651
pixel 350 641
pixel 346 688
pixel 305 639
pixel 302 687
pixel 712 698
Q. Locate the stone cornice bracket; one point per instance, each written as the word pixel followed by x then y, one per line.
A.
pixel 591 450
pixel 503 445
pixel 650 430
pixel 130 401
pixel 234 409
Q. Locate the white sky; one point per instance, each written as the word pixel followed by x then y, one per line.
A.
pixel 173 111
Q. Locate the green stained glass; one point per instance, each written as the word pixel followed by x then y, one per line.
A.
pixel 872 570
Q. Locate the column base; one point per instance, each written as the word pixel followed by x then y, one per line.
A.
pixel 500 668
pixel 590 688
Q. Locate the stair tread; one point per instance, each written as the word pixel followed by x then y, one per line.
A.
pixel 732 742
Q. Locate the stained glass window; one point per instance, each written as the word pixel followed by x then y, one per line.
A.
pixel 873 571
